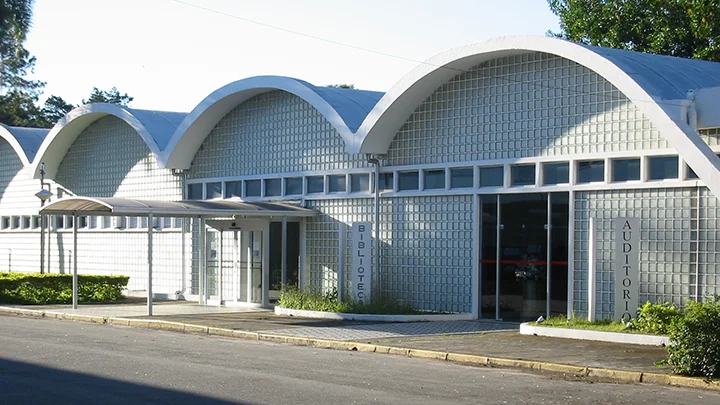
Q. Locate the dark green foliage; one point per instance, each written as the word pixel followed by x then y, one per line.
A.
pixel 113 97
pixel 695 348
pixel 24 288
pixel 295 298
pixel 682 28
pixel 656 318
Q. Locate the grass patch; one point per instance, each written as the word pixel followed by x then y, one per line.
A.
pixel 294 298
pixel 603 325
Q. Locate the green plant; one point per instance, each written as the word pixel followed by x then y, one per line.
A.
pixel 605 325
pixel 294 298
pixel 695 348
pixel 33 288
pixel 656 318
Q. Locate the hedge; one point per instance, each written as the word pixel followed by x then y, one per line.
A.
pixel 35 288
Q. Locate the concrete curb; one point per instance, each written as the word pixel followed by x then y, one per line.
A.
pixel 614 337
pixel 618 376
pixel 372 317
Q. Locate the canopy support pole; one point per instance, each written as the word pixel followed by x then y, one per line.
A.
pixel 283 259
pixel 266 264
pixel 150 265
pixel 75 274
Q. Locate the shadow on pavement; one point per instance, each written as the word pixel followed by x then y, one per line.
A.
pixel 24 383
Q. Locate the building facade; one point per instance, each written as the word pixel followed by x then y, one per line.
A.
pixel 503 169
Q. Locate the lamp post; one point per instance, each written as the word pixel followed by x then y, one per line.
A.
pixel 43 195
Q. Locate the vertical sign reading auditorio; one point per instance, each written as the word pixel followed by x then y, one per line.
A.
pixel 361 261
pixel 627 245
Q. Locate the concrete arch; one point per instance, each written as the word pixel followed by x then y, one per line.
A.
pixel 63 134
pixel 649 81
pixel 25 141
pixel 344 109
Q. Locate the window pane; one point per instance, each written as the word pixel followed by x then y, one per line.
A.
pixel 336 184
pixel 273 187
pixel 626 169
pixel 523 175
pixel 233 189
pixel 252 188
pixel 592 171
pixel 315 184
pixel 408 181
pixel 663 167
pixel 556 173
pixel 434 179
pixel 386 181
pixel 195 191
pixel 691 173
pixel 461 178
pixel 359 183
pixel 491 176
pixel 213 190
pixel 293 186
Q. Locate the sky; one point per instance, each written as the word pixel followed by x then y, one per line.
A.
pixel 170 56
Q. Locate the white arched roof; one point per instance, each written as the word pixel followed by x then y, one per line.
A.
pixel 25 141
pixel 154 127
pixel 345 109
pixel 645 79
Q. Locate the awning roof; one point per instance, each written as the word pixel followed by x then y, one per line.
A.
pixel 187 208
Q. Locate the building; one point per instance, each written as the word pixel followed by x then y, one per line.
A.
pixel 493 158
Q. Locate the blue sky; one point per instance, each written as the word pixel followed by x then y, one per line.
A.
pixel 170 56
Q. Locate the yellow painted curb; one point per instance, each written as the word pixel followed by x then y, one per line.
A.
pixel 364 347
pixel 118 321
pixel 468 359
pixel 616 375
pixel 298 341
pixel 563 368
pixel 694 382
pixel 196 329
pixel 499 362
pixel 246 335
pixel 138 323
pixel 173 326
pixel 220 332
pixel 272 338
pixel 427 354
pixel 332 344
pixel 655 378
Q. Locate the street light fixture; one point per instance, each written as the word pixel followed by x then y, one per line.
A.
pixel 43 195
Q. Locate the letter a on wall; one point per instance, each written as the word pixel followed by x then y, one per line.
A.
pixel 361 261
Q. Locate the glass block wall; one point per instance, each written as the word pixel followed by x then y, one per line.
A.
pixel 678 244
pixel 10 165
pixel 109 159
pixel 275 132
pixel 534 104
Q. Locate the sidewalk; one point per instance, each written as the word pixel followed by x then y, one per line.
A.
pixel 484 343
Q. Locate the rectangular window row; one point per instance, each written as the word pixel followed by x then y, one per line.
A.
pixel 58 222
pixel 279 187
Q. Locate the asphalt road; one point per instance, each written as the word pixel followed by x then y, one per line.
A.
pixel 61 362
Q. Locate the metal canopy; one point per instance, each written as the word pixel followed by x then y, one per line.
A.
pixel 186 208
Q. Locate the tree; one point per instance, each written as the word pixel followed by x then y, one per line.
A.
pixel 17 108
pixel 113 97
pixel 54 110
pixel 682 28
pixel 342 86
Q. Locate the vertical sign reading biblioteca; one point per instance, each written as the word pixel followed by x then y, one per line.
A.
pixel 361 261
pixel 627 245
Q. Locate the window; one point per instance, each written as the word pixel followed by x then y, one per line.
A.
pixel 315 184
pixel 591 171
pixel 523 175
pixel 626 169
pixel 5 223
pixel 293 186
pixel 337 184
pixel 195 191
pixel 35 222
pixel 556 173
pixel 691 173
pixel 360 183
pixel 213 190
pixel 408 181
pixel 233 189
pixel 492 176
pixel 82 222
pixel 252 188
pixel 15 223
pixel 26 222
pixel 434 179
pixel 273 187
pixel 461 177
pixel 59 222
pixel 386 181
pixel 663 167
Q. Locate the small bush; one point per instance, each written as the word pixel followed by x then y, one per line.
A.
pixel 695 348
pixel 34 288
pixel 295 298
pixel 656 318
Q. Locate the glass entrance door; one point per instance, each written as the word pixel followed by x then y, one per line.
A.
pixel 523 256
